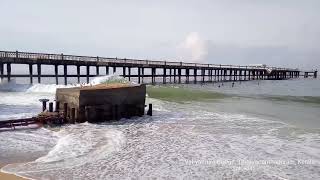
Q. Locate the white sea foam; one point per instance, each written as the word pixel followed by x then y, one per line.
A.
pixel 176 143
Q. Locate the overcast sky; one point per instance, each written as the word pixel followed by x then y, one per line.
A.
pixel 273 32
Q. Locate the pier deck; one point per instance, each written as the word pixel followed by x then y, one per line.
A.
pixel 167 71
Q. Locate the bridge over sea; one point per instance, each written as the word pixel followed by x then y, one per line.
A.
pixel 166 71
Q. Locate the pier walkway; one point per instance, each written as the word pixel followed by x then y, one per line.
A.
pixel 155 71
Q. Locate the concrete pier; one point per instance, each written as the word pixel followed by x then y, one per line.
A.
pixel 135 69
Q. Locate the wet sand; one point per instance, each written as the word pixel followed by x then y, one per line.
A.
pixel 9 176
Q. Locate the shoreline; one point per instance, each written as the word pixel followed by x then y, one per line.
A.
pixel 8 176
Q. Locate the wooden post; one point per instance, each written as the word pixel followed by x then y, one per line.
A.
pixel 65 110
pixel 88 73
pixel 51 107
pixel 56 73
pixel 31 73
pixel 150 110
pixel 39 72
pixel 65 74
pixel 57 106
pixel 78 73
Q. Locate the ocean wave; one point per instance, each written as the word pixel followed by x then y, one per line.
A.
pixel 12 86
pixel 280 98
pixel 181 94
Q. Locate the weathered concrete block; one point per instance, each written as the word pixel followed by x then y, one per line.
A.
pixel 104 102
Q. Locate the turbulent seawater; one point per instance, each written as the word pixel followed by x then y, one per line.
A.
pixel 256 129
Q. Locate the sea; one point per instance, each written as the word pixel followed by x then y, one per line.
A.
pixel 250 130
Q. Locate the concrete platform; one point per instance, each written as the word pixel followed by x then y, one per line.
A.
pixel 102 102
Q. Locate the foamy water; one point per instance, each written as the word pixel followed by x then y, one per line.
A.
pixel 183 140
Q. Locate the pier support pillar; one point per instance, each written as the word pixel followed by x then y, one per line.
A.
pixel 170 75
pixel 56 74
pixel 203 71
pixel 124 72
pixel 174 75
pixel 78 73
pixel 1 71
pixel 88 73
pixel 187 76
pixel 179 75
pixel 39 73
pixel 195 76
pixel 65 74
pixel 315 74
pixel 164 75
pixel 97 71
pixel 114 69
pixel 31 73
pixel 139 75
pixel 107 70
pixel 142 72
pixel 129 73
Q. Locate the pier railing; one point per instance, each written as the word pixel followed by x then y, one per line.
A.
pixel 38 56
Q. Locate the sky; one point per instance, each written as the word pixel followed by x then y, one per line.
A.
pixel 284 33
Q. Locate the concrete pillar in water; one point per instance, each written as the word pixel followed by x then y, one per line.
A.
pixel 78 73
pixel 73 115
pixel 88 73
pixel 124 72
pixel 142 72
pixel 44 103
pixel 51 107
pixel 195 76
pixel 39 72
pixel 150 110
pixel 65 110
pixel 139 74
pixel 56 74
pixel 65 74
pixel 1 71
pixel 187 76
pixel 57 106
pixel 245 75
pixel 179 75
pixel 97 71
pixel 174 75
pixel 107 70
pixel 129 73
pixel 164 75
pixel 31 73
pixel 203 71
